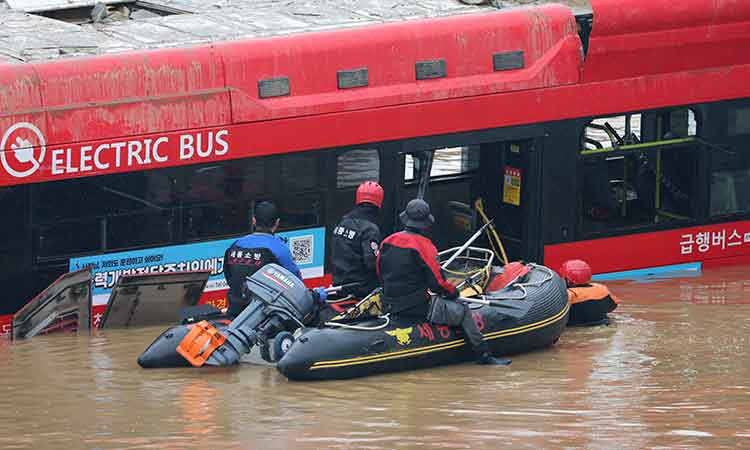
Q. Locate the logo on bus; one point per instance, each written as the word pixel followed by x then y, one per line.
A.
pixel 22 149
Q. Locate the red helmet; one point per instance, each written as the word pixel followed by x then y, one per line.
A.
pixel 370 192
pixel 576 272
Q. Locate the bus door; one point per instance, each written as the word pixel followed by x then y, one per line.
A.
pixel 445 177
pixel 511 191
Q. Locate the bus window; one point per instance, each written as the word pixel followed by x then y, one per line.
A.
pixel 300 211
pixel 216 197
pixel 103 213
pixel 730 168
pixel 446 161
pixel 299 173
pixel 16 275
pixel 638 169
pixel 356 166
pixel 448 189
pixel 610 132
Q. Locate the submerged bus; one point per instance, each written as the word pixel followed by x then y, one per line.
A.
pixel 619 136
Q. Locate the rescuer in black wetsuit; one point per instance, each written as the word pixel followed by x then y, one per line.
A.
pixel 248 254
pixel 408 265
pixel 356 240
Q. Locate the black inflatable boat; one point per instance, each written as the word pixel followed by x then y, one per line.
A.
pixel 381 345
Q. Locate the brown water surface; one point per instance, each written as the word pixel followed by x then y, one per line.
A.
pixel 672 371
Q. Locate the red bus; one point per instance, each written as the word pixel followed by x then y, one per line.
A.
pixel 618 136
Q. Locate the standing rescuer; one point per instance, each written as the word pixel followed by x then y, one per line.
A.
pixel 356 240
pixel 408 265
pixel 248 254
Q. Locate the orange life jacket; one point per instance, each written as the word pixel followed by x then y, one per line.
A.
pixel 591 291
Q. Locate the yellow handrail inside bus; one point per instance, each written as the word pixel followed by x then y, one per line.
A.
pixel 671 215
pixel 657 191
pixel 641 146
pixel 491 232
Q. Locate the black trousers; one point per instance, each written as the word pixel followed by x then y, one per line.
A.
pixel 450 313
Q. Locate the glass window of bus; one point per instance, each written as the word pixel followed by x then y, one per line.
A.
pixel 216 197
pixel 103 213
pixel 356 166
pixel 300 211
pixel 638 169
pixel 730 166
pixel 447 161
pixel 299 172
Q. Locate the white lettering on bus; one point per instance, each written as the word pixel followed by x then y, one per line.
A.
pixel 186 146
pixel 117 146
pixel 222 143
pixel 134 152
pixel 56 170
pixel 199 147
pixel 86 158
pixel 141 152
pixel 68 161
pixel 203 144
pixel 157 156
pixel 147 156
pixel 98 162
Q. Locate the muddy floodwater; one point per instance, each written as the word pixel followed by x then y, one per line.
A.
pixel 672 371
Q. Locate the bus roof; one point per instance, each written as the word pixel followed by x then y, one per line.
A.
pixel 387 81
pixel 40 30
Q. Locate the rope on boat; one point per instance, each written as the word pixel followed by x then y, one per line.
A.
pixel 522 286
pixel 337 300
pixel 359 327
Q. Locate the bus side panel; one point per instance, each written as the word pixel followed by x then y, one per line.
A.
pixel 547 37
pixel 633 38
pixel 709 243
pixel 130 94
pixel 20 98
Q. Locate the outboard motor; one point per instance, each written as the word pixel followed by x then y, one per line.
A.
pixel 278 301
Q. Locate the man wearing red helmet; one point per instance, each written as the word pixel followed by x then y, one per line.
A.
pixel 356 241
pixel 589 302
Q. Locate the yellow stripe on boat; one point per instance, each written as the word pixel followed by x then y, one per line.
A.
pixel 437 347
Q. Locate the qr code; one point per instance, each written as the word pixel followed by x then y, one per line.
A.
pixel 302 249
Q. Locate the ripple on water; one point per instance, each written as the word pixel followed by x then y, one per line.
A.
pixel 662 375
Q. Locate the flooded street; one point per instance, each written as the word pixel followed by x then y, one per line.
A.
pixel 672 371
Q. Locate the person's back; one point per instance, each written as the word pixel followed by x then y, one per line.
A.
pixel 408 267
pixel 248 254
pixel 355 242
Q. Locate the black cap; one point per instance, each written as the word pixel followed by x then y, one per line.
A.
pixel 417 214
pixel 265 214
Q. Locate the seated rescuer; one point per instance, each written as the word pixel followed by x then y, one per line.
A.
pixel 356 240
pixel 248 254
pixel 408 265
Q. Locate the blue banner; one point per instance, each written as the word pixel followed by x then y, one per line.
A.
pixel 307 247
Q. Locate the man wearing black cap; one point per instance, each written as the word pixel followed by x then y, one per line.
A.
pixel 248 254
pixel 408 265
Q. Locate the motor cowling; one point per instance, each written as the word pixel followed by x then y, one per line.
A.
pixel 278 301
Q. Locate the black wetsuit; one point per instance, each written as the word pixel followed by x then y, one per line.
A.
pixel 355 243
